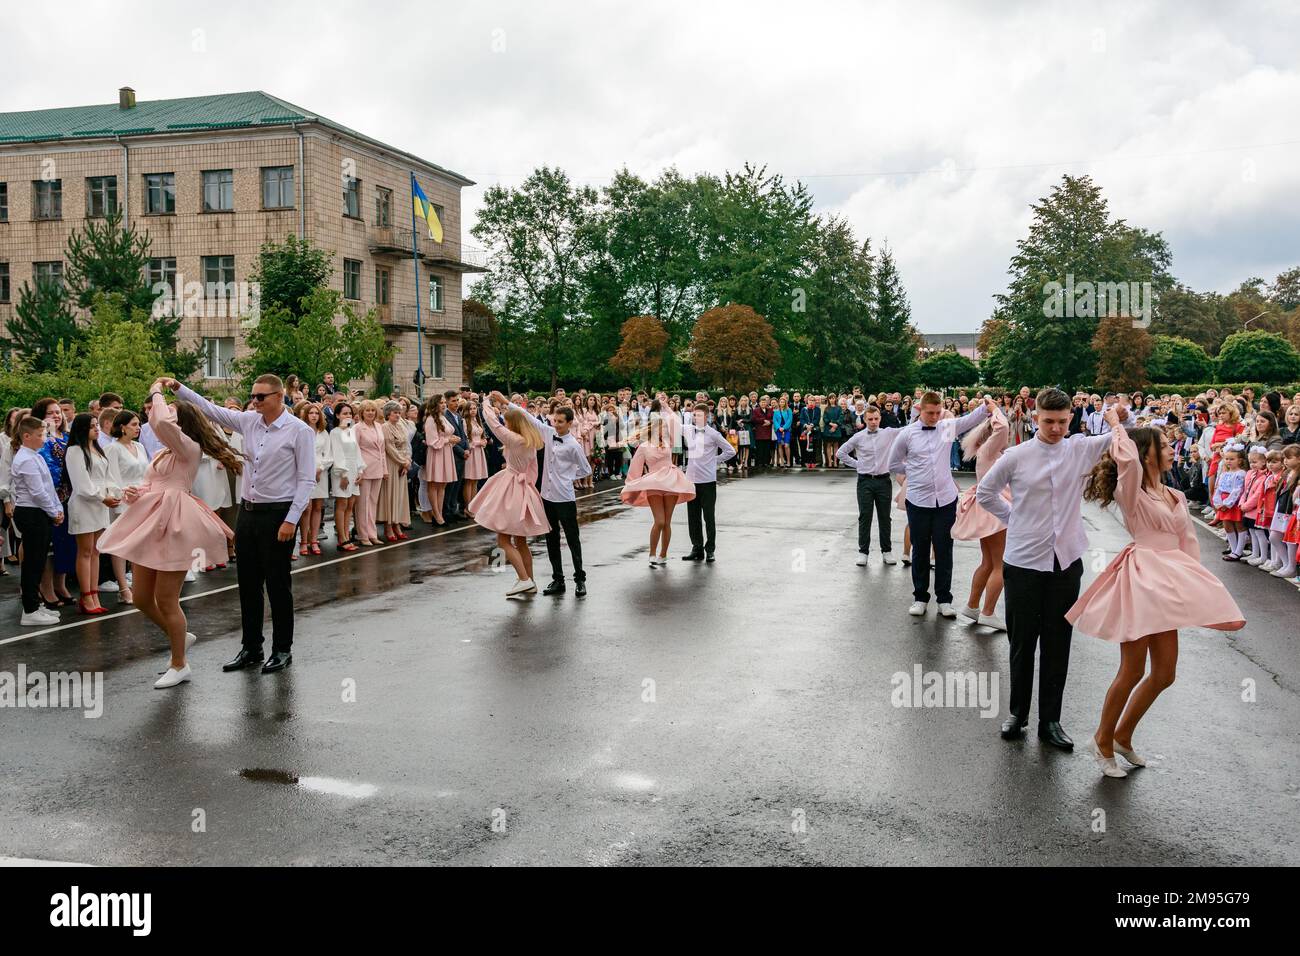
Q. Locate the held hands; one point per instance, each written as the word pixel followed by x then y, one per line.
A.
pixel 1111 417
pixel 58 519
pixel 169 383
pixel 286 532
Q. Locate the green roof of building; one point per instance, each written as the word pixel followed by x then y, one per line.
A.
pixel 187 115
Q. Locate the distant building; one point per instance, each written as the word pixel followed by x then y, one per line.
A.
pixel 210 178
pixel 965 343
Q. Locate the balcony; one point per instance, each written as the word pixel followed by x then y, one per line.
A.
pixel 403 317
pixel 395 241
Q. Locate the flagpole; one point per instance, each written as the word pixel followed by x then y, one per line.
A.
pixel 419 329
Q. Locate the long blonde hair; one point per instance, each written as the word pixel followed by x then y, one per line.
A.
pixel 523 426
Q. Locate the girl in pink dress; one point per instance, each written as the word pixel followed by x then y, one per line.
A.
pixel 166 530
pixel 374 466
pixel 653 480
pixel 985 443
pixel 1154 586
pixel 476 463
pixel 439 458
pixel 509 503
pixel 590 418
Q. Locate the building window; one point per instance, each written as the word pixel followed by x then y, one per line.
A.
pixel 383 206
pixel 160 193
pixel 4 282
pixel 47 200
pixel 277 187
pixel 352 198
pixel 219 277
pixel 49 272
pixel 218 190
pixel 4 202
pixel 382 278
pixel 438 361
pixel 435 294
pixel 161 271
pixel 101 196
pixel 218 354
pixel 351 279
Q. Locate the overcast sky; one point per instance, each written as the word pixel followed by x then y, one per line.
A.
pixel 931 125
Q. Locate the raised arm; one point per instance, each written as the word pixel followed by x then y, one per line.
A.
pixel 225 417
pixel 162 417
pixel 543 426
pixel 1128 467
pixel 973 418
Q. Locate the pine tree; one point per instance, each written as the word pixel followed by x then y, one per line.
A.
pixel 895 363
pixel 42 320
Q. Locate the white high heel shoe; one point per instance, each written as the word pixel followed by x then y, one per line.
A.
pixel 1134 758
pixel 1107 764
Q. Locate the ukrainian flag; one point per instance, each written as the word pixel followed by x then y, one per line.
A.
pixel 425 210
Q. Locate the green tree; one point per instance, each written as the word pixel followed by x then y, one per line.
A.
pixel 1174 360
pixel 539 237
pixel 288 272
pixel 947 369
pixel 120 354
pixel 478 336
pixel 1073 243
pixel 1259 357
pixel 1204 318
pixel 895 353
pixel 841 300
pixel 312 343
pixel 43 321
pixel 1122 351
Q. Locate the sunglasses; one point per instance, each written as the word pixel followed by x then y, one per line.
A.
pixel 261 396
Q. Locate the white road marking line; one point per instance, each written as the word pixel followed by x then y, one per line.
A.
pixel 100 618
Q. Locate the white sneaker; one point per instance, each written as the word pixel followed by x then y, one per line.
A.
pixel 993 621
pixel 172 678
pixel 522 586
pixel 1269 566
pixel 190 576
pixel 38 618
pixel 887 558
pixel 917 609
pixel 1255 562
pixel 1107 764
pixel 862 560
pixel 109 587
pixel 947 610
pixel 973 613
pixel 189 640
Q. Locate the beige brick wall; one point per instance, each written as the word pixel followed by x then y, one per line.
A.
pixel 191 234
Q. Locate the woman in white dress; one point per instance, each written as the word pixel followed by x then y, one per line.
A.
pixel 127 463
pixel 91 495
pixel 346 473
pixel 309 525
pixel 212 486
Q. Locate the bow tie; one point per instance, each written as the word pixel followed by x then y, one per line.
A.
pixel 927 428
pixel 557 439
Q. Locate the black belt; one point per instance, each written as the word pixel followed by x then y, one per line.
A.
pixel 266 505
pixel 882 475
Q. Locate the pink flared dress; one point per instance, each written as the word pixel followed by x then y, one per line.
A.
pixel 1157 583
pixel 476 463
pixel 974 522
pixel 661 477
pixel 509 502
pixel 439 457
pixel 167 528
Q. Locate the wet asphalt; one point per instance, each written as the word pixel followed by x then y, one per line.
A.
pixel 734 713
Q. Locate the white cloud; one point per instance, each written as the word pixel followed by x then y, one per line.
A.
pixel 1019 92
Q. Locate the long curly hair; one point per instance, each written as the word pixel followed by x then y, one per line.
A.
pixel 1101 482
pixel 196 426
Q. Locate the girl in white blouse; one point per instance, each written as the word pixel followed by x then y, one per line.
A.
pixel 309 525
pixel 346 473
pixel 127 463
pixel 91 496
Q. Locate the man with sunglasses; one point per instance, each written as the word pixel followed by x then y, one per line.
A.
pixel 279 477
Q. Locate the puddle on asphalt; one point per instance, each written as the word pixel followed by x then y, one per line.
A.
pixel 330 785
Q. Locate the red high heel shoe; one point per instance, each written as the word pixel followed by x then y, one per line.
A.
pixel 315 548
pixel 81 605
pixel 303 550
pixel 403 537
pixel 389 536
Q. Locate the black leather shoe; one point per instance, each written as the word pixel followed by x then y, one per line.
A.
pixel 1012 728
pixel 708 558
pixel 554 588
pixel 580 588
pixel 693 556
pixel 245 658
pixel 278 662
pixel 1053 734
